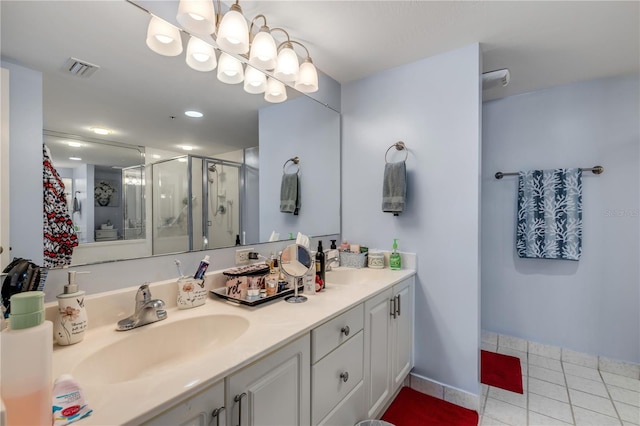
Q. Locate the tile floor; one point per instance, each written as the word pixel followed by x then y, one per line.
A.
pixel 561 387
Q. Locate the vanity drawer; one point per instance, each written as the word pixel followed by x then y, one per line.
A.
pixel 349 411
pixel 335 376
pixel 333 333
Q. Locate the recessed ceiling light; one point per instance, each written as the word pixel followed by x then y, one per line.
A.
pixel 74 144
pixel 187 147
pixel 75 158
pixel 193 114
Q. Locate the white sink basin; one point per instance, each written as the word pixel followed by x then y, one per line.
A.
pixel 358 276
pixel 158 348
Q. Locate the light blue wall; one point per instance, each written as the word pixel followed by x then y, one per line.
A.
pixel 434 106
pixel 25 156
pixel 592 305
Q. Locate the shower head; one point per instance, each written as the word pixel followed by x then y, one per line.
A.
pixel 212 168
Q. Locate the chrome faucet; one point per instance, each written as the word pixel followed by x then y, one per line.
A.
pixel 147 311
pixel 331 259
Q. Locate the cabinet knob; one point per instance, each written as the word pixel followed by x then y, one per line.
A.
pixel 345 330
pixel 344 376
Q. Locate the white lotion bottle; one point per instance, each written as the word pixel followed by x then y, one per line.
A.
pixel 71 321
pixel 26 352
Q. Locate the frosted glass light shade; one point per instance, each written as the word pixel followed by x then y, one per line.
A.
pixel 233 33
pixel 288 67
pixel 230 69
pixel 276 91
pixel 200 55
pixel 263 51
pixel 196 16
pixel 163 38
pixel 307 81
pixel 254 81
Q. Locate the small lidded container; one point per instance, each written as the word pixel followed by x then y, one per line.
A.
pixel 376 260
pixel 245 282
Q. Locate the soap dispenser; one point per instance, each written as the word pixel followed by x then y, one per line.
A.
pixel 395 261
pixel 71 321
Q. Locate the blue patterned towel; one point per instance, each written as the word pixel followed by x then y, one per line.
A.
pixel 550 214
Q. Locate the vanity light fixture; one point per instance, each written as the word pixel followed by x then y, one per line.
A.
pixel 163 38
pixel 201 56
pixel 230 69
pixel 307 81
pixel 233 32
pixel 287 67
pixel 193 114
pixel 233 37
pixel 263 52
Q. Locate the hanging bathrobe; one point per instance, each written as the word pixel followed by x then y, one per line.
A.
pixel 59 234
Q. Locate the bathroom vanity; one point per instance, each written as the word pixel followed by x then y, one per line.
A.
pixel 336 359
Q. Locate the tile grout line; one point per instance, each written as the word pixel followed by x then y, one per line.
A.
pixel 566 386
pixel 609 394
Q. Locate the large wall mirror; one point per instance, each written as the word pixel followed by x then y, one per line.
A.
pixel 160 181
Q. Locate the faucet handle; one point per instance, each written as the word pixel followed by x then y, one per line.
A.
pixel 143 295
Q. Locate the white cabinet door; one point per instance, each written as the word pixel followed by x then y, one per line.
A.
pixel 274 391
pixel 204 409
pixel 376 351
pixel 402 332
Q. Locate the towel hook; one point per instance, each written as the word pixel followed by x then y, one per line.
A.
pixel 294 160
pixel 400 146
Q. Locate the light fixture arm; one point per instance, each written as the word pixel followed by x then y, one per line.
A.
pixel 285 32
pixel 304 47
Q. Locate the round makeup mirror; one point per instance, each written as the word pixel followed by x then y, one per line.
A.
pixel 295 262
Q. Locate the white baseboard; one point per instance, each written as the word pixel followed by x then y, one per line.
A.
pixel 444 392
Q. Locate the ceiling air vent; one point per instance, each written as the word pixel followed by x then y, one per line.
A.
pixel 80 68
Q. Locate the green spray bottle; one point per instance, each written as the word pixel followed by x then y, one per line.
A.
pixel 395 261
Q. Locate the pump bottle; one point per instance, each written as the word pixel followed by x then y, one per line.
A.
pixel 395 260
pixel 71 321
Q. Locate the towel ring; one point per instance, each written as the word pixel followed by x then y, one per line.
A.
pixel 399 146
pixel 294 160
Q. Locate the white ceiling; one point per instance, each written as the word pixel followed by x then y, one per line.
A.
pixel 544 44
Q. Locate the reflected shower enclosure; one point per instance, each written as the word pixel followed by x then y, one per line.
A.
pixel 196 204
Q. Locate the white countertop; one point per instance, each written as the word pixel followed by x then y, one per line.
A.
pixel 271 326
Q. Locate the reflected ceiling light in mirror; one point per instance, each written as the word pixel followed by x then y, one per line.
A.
pixel 263 52
pixel 163 38
pixel 194 114
pixel 75 158
pixel 186 147
pixel 197 16
pixel 255 81
pixel 201 56
pixel 233 32
pixel 100 130
pixel 74 144
pixel 230 69
pixel 276 91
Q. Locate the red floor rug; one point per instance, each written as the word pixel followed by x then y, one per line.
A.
pixel 502 371
pixel 412 408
